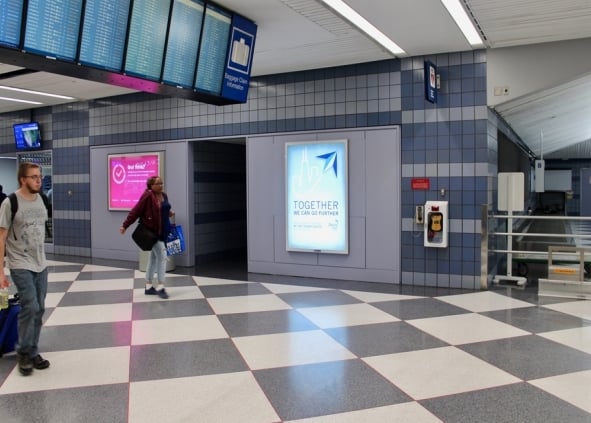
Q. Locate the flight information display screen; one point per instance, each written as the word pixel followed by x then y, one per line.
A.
pixel 52 27
pixel 147 37
pixel 103 34
pixel 11 14
pixel 192 49
pixel 214 48
pixel 183 42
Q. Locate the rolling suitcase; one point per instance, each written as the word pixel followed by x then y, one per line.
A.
pixel 8 326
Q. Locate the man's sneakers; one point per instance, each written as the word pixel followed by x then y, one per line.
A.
pixel 26 364
pixel 163 294
pixel 151 291
pixel 39 362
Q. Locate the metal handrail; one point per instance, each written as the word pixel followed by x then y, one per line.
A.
pixel 541 235
pixel 510 217
pixel 531 253
pixel 538 217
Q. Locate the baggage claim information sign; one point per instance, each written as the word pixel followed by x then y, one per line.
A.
pixel 316 196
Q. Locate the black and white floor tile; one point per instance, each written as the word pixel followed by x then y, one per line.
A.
pixel 268 350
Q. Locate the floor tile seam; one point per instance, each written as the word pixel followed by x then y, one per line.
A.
pixel 449 396
pixel 387 380
pixel 468 312
pixel 253 375
pixel 528 382
pixel 485 315
pixel 562 330
pixel 463 350
pixel 505 338
pixel 174 273
pixel 510 371
pixel 561 345
pixel 410 396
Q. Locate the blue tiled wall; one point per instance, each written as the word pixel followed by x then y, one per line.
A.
pixel 450 142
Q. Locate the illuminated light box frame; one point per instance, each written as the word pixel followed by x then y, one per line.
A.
pixel 128 174
pixel 316 195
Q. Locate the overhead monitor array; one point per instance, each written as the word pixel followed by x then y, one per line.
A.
pixel 188 48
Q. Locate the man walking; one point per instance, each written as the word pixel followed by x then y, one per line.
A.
pixel 22 238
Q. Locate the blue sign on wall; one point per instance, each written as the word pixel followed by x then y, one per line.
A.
pixel 430 82
pixel 239 62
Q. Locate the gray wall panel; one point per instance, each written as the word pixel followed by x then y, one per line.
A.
pixel 266 191
pixel 356 257
pixel 383 199
pixel 259 156
pixel 107 242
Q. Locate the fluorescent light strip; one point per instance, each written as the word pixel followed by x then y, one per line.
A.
pixel 459 15
pixel 360 22
pixel 19 101
pixel 22 90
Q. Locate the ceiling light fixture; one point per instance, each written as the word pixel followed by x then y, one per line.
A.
pixel 360 22
pixel 19 101
pixel 22 90
pixel 458 13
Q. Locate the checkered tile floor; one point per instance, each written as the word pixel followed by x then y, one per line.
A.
pixel 222 350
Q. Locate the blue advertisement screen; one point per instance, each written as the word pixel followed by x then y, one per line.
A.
pixel 316 178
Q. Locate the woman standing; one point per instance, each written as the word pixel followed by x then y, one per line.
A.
pixel 154 212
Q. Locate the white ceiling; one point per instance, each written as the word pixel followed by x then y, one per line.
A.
pixel 296 35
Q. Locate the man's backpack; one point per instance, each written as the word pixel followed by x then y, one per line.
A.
pixel 14 204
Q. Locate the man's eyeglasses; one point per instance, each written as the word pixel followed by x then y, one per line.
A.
pixel 35 177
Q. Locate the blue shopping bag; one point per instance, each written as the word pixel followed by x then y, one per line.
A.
pixel 8 325
pixel 175 242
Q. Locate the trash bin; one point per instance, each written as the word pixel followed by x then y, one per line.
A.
pixel 144 255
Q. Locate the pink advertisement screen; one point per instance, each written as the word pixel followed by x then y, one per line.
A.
pixel 128 174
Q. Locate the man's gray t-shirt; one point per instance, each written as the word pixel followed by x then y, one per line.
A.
pixel 25 240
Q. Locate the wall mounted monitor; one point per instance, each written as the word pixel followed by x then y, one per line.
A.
pixel 128 174
pixel 52 27
pixel 27 136
pixel 11 15
pixel 104 30
pixel 316 187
